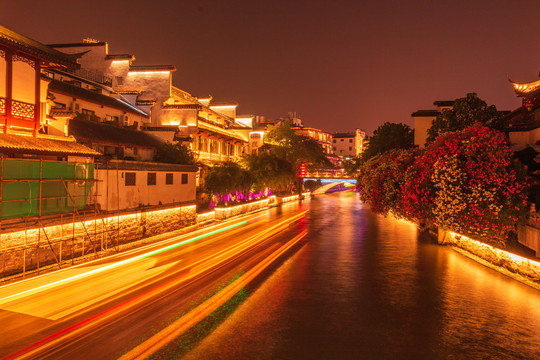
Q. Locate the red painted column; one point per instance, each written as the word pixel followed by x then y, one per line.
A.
pixel 9 87
pixel 37 112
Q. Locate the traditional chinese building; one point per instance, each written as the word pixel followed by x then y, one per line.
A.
pixel 212 131
pixel 43 171
pixel 524 122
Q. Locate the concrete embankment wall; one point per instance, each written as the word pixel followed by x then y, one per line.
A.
pixel 517 267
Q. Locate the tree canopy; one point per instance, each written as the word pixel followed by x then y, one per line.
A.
pixel 466 112
pixel 227 178
pixel 174 154
pixel 389 136
pixel 270 171
pixel 295 148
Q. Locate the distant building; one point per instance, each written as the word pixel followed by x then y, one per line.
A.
pixel 348 145
pixel 423 119
pixel 524 122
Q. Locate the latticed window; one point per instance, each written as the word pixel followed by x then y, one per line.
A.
pixel 184 178
pixel 169 178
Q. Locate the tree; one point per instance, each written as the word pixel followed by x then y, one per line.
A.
pixel 174 154
pixel 467 182
pixel 296 149
pixel 227 178
pixel 389 136
pixel 351 166
pixel 270 171
pixel 466 112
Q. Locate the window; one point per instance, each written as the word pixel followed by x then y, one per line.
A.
pixel 350 140
pixel 169 178
pixel 334 141
pixel 184 178
pixel 342 139
pixel 151 179
pixel 131 178
pixel 350 148
pixel 88 112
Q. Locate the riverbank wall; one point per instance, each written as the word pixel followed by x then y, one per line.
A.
pixel 58 241
pixel 518 267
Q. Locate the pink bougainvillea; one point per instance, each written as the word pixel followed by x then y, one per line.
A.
pixel 464 181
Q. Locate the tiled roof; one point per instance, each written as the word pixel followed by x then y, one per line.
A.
pixel 152 68
pixel 84 94
pixel 444 103
pixel 425 113
pixel 18 144
pixel 95 132
pixel 36 48
pixel 343 135
pixel 119 57
pixel 82 44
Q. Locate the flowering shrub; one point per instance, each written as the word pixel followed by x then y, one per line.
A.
pixel 238 197
pixel 381 177
pixel 464 181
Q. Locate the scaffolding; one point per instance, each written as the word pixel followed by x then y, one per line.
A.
pixel 50 203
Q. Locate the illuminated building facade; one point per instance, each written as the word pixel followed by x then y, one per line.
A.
pixel 348 145
pixel 423 119
pixel 213 132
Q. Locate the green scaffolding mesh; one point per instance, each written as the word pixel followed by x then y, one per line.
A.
pixel 21 197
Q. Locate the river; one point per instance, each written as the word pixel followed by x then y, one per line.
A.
pixel 368 287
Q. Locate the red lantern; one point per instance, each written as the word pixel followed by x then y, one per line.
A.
pixel 302 171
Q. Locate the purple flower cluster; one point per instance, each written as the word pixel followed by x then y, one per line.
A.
pixel 238 197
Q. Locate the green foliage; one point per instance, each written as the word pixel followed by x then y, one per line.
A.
pixel 389 136
pixel 174 154
pixel 270 171
pixel 466 112
pixel 295 148
pixel 312 185
pixel 352 166
pixel 227 178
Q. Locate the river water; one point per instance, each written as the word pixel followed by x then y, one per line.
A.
pixel 368 287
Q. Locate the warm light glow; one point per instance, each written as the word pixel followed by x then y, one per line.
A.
pixel 126 261
pixel 223 106
pixel 290 198
pixel 501 254
pixel 149 72
pixel 119 61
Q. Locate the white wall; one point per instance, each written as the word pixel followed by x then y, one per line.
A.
pixel 113 194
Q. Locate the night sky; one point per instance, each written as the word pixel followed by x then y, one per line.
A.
pixel 339 64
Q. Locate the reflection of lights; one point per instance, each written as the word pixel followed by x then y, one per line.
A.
pixel 113 265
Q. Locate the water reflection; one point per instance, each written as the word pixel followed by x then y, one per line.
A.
pixel 368 287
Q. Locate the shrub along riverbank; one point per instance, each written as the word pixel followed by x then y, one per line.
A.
pixel 465 181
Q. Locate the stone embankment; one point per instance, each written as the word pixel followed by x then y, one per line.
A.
pixel 65 239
